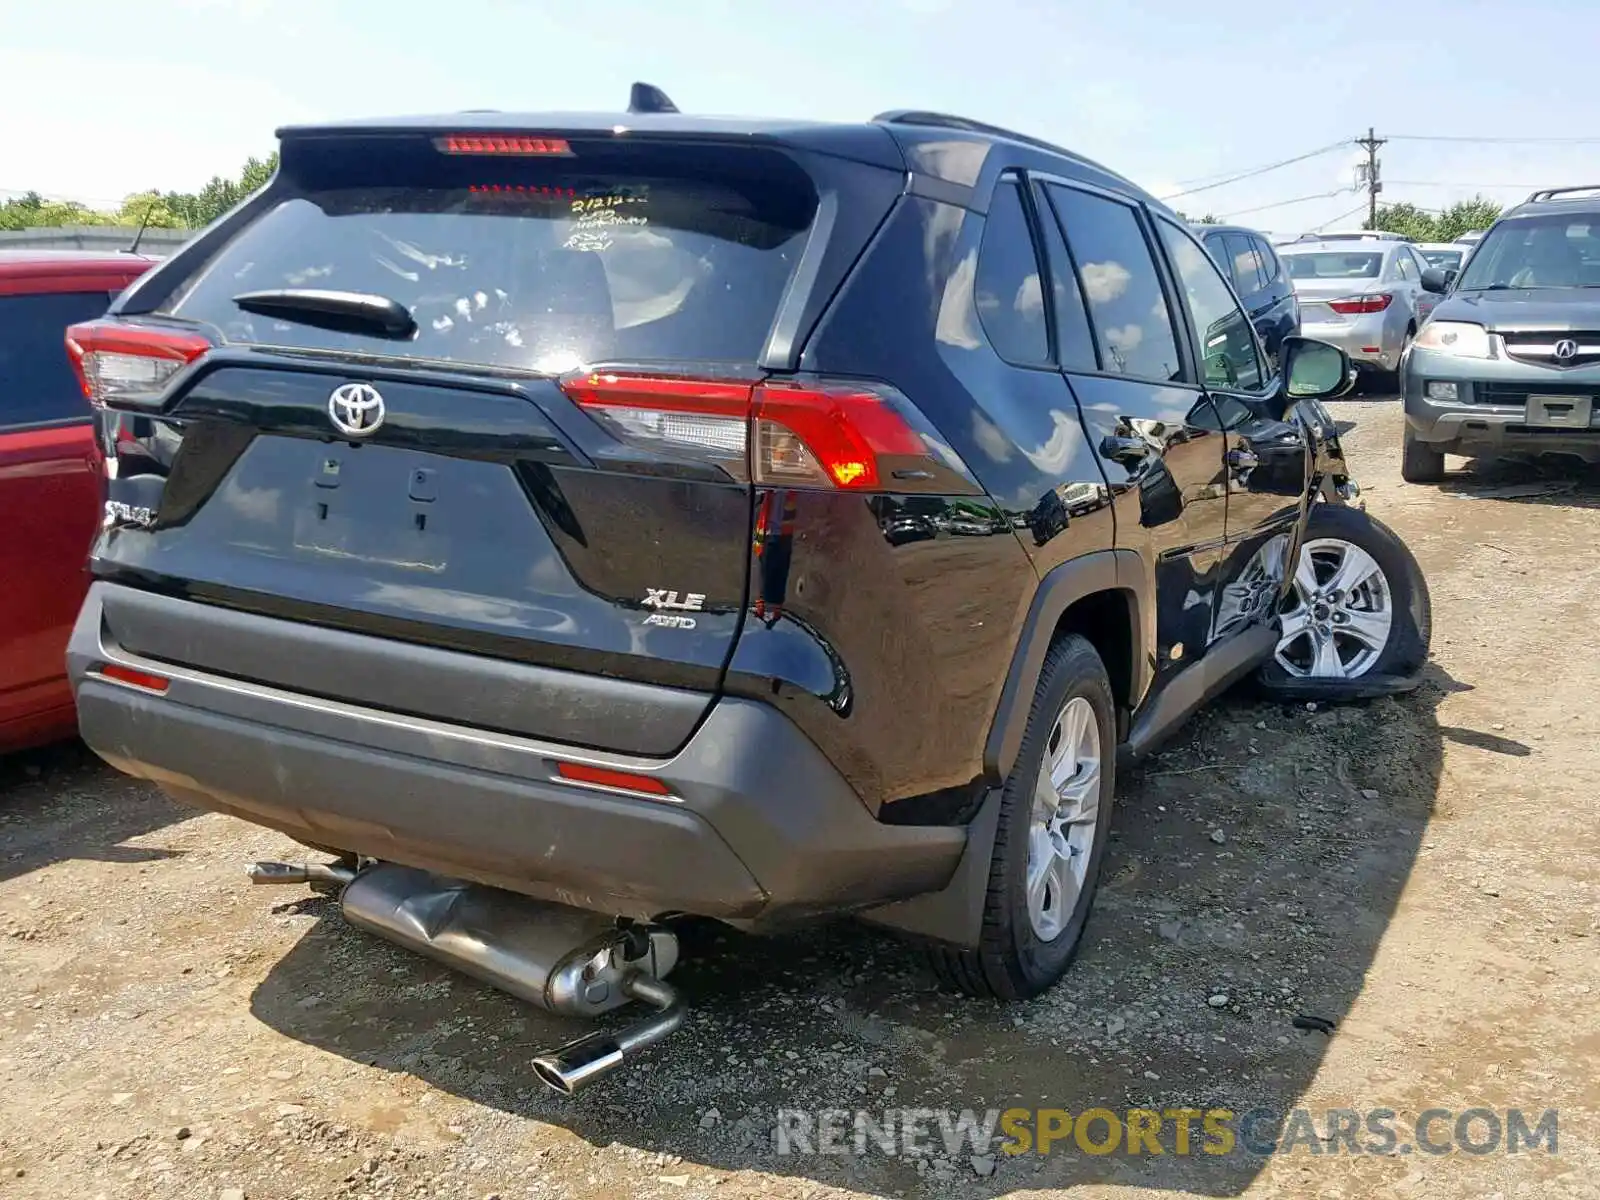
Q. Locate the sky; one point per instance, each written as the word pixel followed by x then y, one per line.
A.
pixel 121 97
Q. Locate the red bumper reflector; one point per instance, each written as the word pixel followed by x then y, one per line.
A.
pixel 136 678
pixel 623 781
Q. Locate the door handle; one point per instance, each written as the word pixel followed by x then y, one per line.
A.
pixel 1241 459
pixel 1128 451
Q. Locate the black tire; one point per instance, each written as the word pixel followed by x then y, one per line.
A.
pixel 1411 627
pixel 1419 462
pixel 1012 963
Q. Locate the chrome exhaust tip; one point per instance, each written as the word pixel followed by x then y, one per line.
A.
pixel 336 874
pixel 579 1063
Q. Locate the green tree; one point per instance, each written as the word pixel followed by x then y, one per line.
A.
pixel 1477 213
pixel 1446 226
pixel 166 210
pixel 1407 219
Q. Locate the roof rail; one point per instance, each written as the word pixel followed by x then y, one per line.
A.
pixel 936 120
pixel 1552 193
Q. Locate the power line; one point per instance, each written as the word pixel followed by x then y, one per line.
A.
pixel 1251 174
pixel 1444 183
pixel 1495 141
pixel 1341 216
pixel 1240 212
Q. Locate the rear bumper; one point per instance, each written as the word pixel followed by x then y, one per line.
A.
pixel 1366 338
pixel 760 826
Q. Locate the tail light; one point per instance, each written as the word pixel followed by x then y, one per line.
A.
pixel 1352 305
pixel 785 433
pixel 129 364
pixel 514 146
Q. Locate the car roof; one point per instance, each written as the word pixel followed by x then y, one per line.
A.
pixel 1582 199
pixel 1375 246
pixel 1201 228
pixel 1437 246
pixel 891 139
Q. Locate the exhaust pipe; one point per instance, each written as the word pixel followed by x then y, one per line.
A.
pixel 278 872
pixel 565 960
pixel 582 1061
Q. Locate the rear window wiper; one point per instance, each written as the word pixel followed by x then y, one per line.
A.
pixel 342 312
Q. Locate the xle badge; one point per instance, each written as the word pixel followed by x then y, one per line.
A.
pixel 661 598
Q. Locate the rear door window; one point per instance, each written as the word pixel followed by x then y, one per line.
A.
pixel 1009 295
pixel 1119 279
pixel 537 264
pixel 1244 266
pixel 1271 267
pixel 37 384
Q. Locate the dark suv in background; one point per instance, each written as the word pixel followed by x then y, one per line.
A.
pixel 1510 362
pixel 754 519
pixel 1258 276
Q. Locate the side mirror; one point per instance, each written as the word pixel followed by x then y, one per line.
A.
pixel 1434 280
pixel 1314 370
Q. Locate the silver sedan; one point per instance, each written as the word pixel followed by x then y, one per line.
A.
pixel 1369 298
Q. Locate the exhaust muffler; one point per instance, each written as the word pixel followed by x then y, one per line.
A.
pixel 566 960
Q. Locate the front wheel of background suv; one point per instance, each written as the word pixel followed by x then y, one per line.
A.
pixel 1419 462
pixel 1055 812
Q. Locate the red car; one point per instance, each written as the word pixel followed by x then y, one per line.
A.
pixel 50 478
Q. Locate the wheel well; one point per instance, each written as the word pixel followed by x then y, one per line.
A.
pixel 1105 619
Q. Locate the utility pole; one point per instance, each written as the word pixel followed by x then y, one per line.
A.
pixel 1369 174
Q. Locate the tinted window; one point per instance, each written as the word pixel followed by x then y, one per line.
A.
pixel 36 379
pixel 1271 268
pixel 1074 338
pixel 1403 266
pixel 541 264
pixel 1333 265
pixel 1443 260
pixel 1244 267
pixel 1218 249
pixel 1010 299
pixel 1227 347
pixel 1132 324
pixel 1548 251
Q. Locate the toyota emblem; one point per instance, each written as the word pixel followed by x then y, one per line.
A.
pixel 356 409
pixel 1566 350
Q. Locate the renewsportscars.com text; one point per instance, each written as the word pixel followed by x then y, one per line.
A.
pixel 912 1132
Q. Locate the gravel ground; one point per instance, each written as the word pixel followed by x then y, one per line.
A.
pixel 1418 871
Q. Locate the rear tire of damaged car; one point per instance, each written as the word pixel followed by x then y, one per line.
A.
pixel 1358 619
pixel 1055 815
pixel 1419 462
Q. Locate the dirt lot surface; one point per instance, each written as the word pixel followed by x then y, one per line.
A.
pixel 1419 871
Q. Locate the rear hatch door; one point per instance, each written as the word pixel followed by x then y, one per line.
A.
pixel 435 482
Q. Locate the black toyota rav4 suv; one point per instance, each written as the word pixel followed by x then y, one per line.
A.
pixel 635 515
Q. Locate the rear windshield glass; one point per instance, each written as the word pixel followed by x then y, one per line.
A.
pixel 1445 260
pixel 543 264
pixel 1330 265
pixel 1553 251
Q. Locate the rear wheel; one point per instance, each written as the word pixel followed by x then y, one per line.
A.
pixel 1054 815
pixel 1419 462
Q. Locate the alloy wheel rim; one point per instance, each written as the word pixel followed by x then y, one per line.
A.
pixel 1339 614
pixel 1064 819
